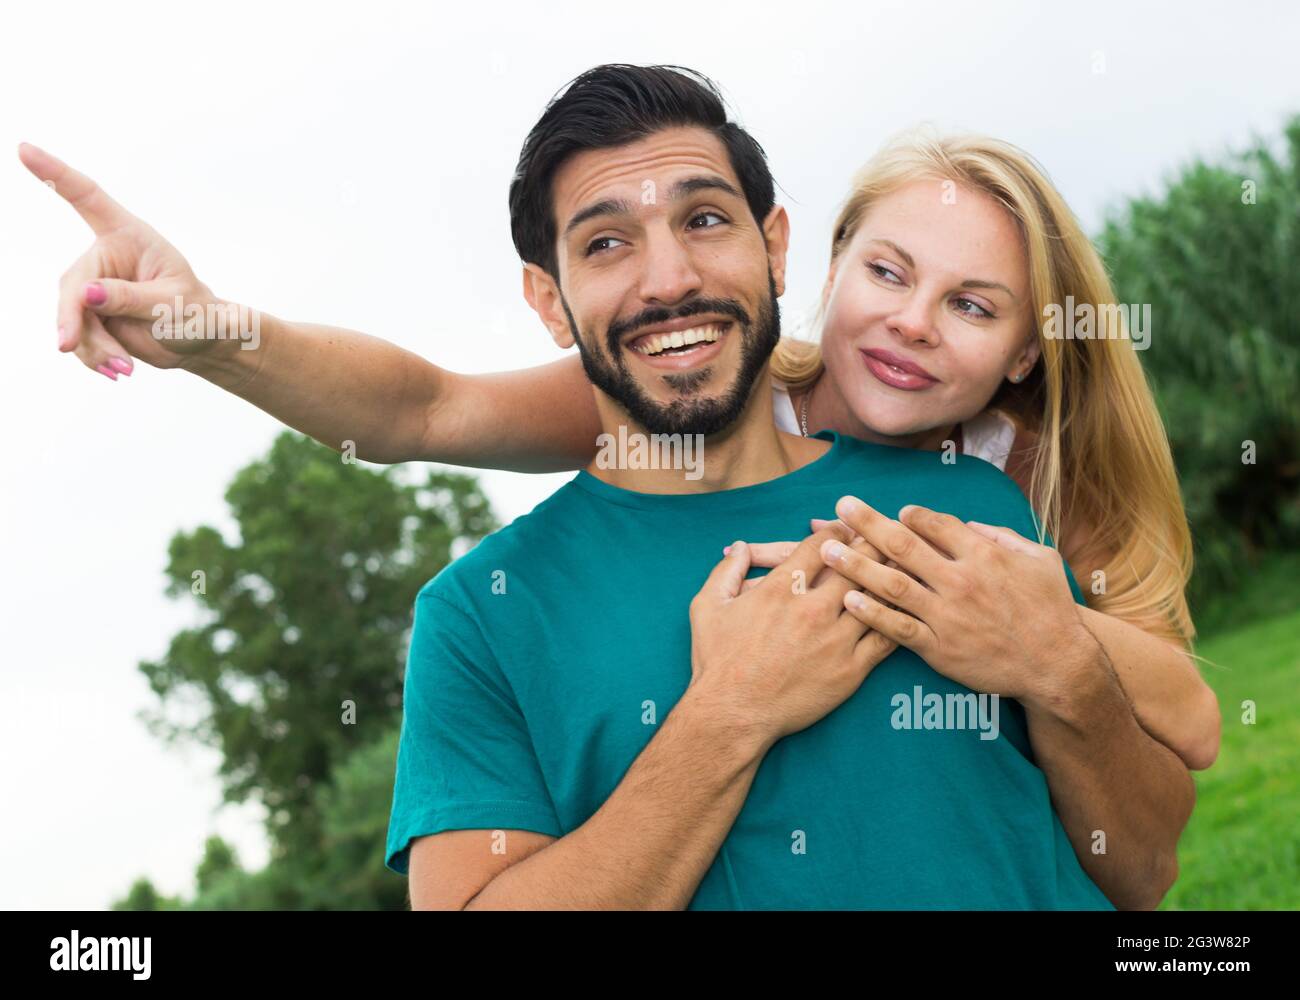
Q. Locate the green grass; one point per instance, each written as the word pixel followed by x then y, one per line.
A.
pixel 1241 850
pixel 1267 590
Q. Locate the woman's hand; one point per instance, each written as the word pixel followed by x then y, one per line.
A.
pixel 981 605
pixel 107 297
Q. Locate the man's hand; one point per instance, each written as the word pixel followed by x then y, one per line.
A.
pixel 107 297
pixel 776 658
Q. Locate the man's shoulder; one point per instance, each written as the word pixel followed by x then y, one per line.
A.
pixel 945 480
pixel 493 556
pixel 862 455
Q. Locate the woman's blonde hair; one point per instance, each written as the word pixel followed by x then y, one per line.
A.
pixel 1102 456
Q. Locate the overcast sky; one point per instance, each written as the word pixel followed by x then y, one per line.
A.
pixel 348 164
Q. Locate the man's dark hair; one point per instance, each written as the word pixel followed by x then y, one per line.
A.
pixel 613 105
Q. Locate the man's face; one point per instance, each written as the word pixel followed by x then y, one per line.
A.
pixel 665 279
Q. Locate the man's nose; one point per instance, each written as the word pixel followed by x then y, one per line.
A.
pixel 669 273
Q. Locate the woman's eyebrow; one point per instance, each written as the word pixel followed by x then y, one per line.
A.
pixel 907 257
pixel 974 283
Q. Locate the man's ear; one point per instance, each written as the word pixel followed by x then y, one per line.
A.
pixel 542 293
pixel 776 234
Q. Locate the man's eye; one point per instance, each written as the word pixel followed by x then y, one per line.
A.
pixel 705 215
pixel 600 244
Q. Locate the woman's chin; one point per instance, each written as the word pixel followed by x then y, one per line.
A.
pixel 880 425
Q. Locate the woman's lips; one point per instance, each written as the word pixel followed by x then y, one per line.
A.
pixel 897 372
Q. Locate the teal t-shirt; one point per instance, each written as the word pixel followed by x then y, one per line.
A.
pixel 542 661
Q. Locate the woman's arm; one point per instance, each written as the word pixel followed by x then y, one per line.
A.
pixel 338 385
pixel 1170 699
pixel 133 294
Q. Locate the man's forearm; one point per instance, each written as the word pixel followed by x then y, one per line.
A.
pixel 332 384
pixel 1106 775
pixel 653 840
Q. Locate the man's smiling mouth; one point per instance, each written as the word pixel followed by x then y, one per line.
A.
pixel 679 342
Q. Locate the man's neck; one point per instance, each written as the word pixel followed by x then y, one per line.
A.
pixel 750 451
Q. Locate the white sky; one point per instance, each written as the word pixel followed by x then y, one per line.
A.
pixel 348 164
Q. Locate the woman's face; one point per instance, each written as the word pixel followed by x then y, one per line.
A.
pixel 927 311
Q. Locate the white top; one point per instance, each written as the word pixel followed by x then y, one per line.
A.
pixel 989 435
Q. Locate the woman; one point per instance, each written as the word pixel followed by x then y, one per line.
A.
pixel 931 335
pixel 1072 421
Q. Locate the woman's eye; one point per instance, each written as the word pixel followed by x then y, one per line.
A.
pixel 979 311
pixel 705 215
pixel 595 246
pixel 880 271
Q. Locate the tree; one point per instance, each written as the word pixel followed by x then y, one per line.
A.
pixel 143 896
pixel 295 675
pixel 1215 256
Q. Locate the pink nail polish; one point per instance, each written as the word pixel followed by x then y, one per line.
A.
pixel 121 365
pixel 95 294
pixel 105 370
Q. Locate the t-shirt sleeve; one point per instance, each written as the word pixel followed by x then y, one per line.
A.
pixel 465 759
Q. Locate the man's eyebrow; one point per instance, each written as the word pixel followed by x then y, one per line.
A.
pixel 971 283
pixel 704 182
pixel 681 189
pixel 610 206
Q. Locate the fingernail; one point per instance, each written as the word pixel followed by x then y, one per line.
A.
pixel 834 550
pixel 63 335
pixel 727 551
pixel 904 509
pixel 846 506
pixel 854 600
pixel 95 294
pixel 120 364
pixel 105 370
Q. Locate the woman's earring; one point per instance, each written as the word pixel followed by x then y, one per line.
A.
pixel 1019 376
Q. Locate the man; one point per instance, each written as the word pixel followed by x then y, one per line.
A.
pixel 584 726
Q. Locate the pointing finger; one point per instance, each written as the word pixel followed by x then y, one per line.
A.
pixel 91 202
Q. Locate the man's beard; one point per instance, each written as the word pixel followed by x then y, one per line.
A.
pixel 685 416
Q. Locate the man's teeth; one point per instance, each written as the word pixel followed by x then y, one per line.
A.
pixel 660 342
